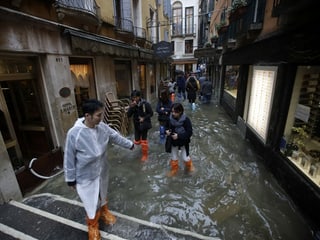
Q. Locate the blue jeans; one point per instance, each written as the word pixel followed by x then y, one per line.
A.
pixel 206 98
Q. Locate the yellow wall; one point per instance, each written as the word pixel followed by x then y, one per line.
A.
pixel 269 23
pixel 106 10
pixel 216 15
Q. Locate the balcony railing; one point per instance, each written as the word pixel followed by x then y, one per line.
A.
pixel 284 6
pixel 124 25
pixel 251 20
pixel 179 31
pixel 140 32
pixel 296 12
pixel 87 6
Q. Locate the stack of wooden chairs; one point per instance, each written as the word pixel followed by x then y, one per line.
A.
pixel 115 113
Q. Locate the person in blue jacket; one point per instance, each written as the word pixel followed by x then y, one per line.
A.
pixel 163 109
pixel 180 130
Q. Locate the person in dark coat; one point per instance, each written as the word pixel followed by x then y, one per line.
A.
pixel 206 91
pixel 142 112
pixel 163 108
pixel 180 131
pixel 192 89
pixel 181 84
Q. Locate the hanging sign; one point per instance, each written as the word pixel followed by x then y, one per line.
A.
pixel 163 49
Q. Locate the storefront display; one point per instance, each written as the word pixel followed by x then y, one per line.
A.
pixel 302 134
pixel 231 80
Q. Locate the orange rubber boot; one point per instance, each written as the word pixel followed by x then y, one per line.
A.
pixel 189 166
pixel 172 97
pixel 93 227
pixel 106 216
pixel 174 168
pixel 144 149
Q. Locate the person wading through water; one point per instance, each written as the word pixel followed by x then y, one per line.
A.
pixel 86 168
pixel 142 112
pixel 180 130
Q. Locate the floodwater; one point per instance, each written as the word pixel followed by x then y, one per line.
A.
pixel 231 195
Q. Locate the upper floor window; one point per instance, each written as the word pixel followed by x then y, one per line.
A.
pixel 172 46
pixel 189 20
pixel 177 19
pixel 123 15
pixel 188 46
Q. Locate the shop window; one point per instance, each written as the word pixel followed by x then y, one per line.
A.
pixel 123 78
pixel 152 78
pixel 188 68
pixel 142 78
pixel 301 141
pixel 83 79
pixel 231 80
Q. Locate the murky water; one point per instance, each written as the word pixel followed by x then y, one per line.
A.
pixel 231 195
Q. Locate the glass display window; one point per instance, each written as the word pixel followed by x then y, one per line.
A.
pixel 301 140
pixel 231 80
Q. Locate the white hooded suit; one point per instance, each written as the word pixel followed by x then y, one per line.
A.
pixel 85 161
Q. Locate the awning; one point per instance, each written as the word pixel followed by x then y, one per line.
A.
pixel 204 52
pixel 92 43
pixel 290 47
pixel 184 61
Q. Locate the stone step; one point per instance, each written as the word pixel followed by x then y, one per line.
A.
pixel 48 216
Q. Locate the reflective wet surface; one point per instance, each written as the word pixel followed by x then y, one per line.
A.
pixel 231 195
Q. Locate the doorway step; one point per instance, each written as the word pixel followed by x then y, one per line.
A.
pixel 48 216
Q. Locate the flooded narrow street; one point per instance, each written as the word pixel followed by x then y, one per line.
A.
pixel 231 195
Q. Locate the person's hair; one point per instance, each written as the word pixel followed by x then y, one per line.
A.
pixel 136 93
pixel 177 107
pixel 164 96
pixel 91 105
pixel 192 79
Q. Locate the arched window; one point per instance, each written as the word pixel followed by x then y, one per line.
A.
pixel 177 18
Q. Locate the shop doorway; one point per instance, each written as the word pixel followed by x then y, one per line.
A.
pixel 142 79
pixel 23 123
pixel 123 78
pixel 83 79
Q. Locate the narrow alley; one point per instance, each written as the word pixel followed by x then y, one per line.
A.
pixel 231 195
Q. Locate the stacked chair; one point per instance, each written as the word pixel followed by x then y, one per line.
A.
pixel 115 113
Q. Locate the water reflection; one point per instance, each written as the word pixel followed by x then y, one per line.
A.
pixel 231 195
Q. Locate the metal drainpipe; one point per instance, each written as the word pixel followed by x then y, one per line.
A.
pixel 158 25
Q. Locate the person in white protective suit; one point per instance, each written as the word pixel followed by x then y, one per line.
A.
pixel 85 163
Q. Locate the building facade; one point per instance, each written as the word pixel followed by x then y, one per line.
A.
pixel 270 85
pixel 184 35
pixel 63 53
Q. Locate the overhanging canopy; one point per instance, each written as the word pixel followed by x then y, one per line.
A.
pixel 204 52
pixel 96 44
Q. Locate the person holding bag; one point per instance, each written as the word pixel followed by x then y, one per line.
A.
pixel 163 109
pixel 142 112
pixel 180 132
